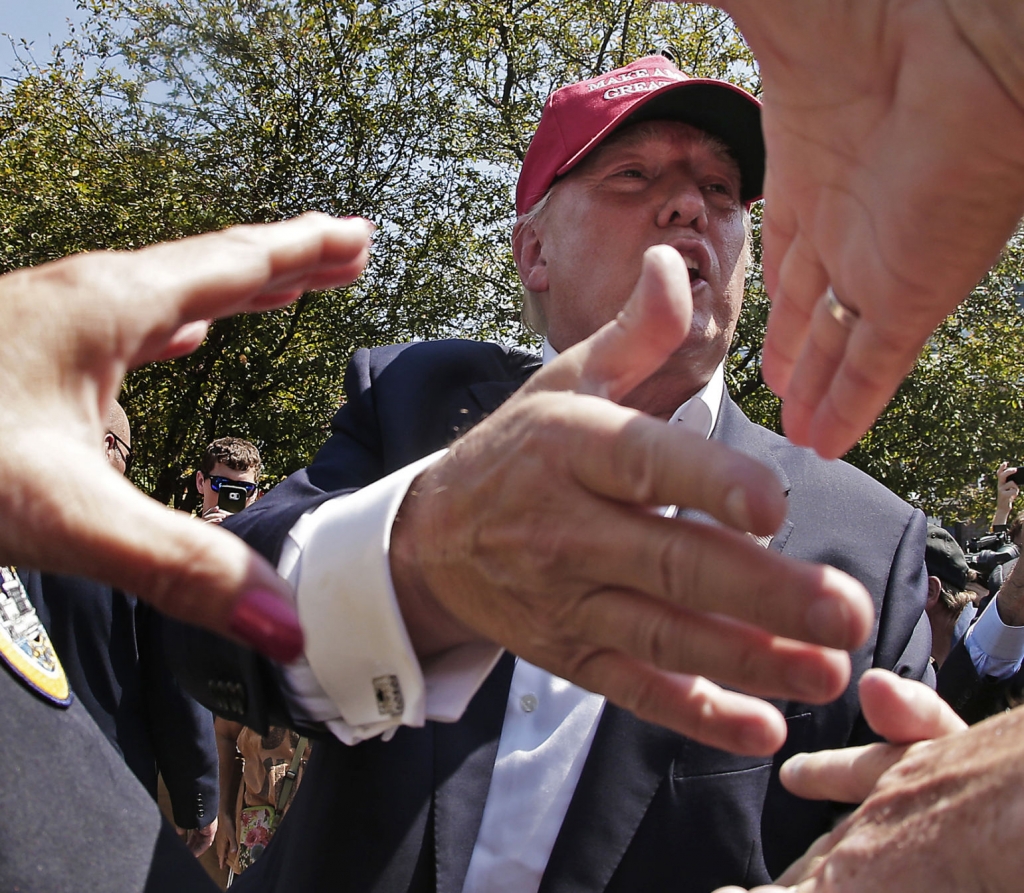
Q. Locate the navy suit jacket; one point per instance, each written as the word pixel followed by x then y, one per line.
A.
pixel 112 648
pixel 653 810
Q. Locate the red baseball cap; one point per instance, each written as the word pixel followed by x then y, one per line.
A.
pixel 578 117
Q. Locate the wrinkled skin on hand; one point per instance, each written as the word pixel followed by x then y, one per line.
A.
pixel 537 531
pixel 943 815
pixel 895 174
pixel 948 818
pixel 73 328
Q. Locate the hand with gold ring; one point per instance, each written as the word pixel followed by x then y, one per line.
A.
pixel 895 174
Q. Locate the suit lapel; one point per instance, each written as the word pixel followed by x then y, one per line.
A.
pixel 626 764
pixel 480 400
pixel 737 431
pixel 629 758
pixel 464 754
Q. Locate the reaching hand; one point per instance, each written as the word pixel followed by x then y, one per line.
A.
pixel 902 711
pixel 226 839
pixel 895 174
pixel 1006 493
pixel 537 531
pixel 73 328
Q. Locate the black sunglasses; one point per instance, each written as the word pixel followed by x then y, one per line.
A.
pixel 216 480
pixel 126 452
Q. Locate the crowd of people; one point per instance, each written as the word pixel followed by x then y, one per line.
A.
pixel 686 611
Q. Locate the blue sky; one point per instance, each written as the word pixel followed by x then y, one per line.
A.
pixel 41 21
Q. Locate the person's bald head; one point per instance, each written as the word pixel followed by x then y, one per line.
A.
pixel 118 439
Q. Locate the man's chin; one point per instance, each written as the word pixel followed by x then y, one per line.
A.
pixel 679 378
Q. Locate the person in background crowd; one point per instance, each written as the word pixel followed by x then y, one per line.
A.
pixel 112 649
pixel 254 767
pixel 1006 492
pixel 259 776
pixel 227 460
pixel 948 575
pixel 1008 530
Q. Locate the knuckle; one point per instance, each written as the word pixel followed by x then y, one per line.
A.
pixel 642 697
pixel 681 570
pixel 548 546
pixel 635 463
pixel 658 640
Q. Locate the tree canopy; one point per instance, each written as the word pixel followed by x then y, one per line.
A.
pixel 164 118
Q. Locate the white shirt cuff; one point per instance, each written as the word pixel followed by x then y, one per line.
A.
pixel 995 649
pixel 359 675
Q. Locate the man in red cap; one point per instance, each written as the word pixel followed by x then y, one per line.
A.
pixel 593 519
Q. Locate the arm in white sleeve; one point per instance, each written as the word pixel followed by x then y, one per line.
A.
pixel 360 675
pixel 995 649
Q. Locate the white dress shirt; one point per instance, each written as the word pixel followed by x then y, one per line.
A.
pixel 361 678
pixel 995 649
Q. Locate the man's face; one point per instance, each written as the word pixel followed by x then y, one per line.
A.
pixel 660 182
pixel 205 487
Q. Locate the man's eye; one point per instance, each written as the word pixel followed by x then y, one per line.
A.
pixel 632 172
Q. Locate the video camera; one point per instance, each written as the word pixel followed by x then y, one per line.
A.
pixel 985 553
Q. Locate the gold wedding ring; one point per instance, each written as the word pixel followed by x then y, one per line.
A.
pixel 842 314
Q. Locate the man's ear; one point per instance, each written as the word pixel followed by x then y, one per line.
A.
pixel 200 480
pixel 934 590
pixel 528 251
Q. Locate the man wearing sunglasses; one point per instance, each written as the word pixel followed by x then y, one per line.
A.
pixel 232 461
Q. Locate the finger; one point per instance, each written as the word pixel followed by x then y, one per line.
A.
pixel 794 279
pixel 690 563
pixel 649 463
pixel 623 353
pixel 783 340
pixel 704 568
pixel 845 776
pixel 690 705
pixel 244 268
pixel 98 525
pixel 903 711
pixel 870 372
pixel 771 888
pixel 728 652
pixel 823 350
pixel 185 340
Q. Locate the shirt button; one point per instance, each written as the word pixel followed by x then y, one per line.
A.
pixel 528 703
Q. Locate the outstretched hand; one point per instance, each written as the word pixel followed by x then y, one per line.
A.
pixel 909 715
pixel 538 531
pixel 895 174
pixel 73 328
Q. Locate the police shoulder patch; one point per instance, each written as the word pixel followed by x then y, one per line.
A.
pixel 25 647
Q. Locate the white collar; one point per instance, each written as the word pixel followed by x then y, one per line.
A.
pixel 698 414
